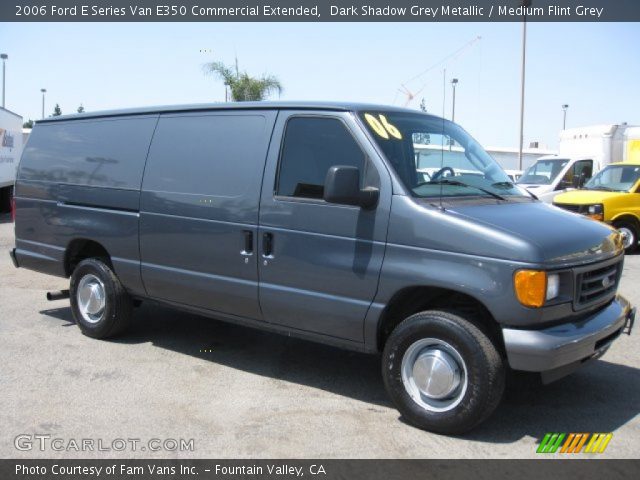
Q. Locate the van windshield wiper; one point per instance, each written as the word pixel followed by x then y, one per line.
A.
pixel 458 183
pixel 513 185
pixel 602 187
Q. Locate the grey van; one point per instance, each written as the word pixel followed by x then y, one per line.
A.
pixel 326 222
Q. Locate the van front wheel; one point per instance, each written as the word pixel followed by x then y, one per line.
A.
pixel 100 304
pixel 629 233
pixel 442 372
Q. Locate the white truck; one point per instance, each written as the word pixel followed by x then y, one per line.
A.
pixel 10 151
pixel 582 153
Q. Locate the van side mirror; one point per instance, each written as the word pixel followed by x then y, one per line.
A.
pixel 342 186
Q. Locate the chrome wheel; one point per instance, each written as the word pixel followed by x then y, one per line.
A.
pixel 434 374
pixel 628 238
pixel 91 298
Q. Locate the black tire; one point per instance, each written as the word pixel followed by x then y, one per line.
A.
pixel 633 229
pixel 484 366
pixel 116 315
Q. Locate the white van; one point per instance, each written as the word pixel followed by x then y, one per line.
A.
pixel 551 175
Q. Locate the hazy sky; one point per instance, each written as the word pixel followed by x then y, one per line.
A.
pixel 594 68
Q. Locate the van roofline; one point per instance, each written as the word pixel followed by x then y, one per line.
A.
pixel 635 163
pixel 328 106
pixel 557 156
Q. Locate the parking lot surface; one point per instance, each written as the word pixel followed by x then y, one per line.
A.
pixel 239 392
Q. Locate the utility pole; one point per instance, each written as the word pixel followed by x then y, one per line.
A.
pixel 454 84
pixel 565 107
pixel 43 90
pixel 4 57
pixel 525 4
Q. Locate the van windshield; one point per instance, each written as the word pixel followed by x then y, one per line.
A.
pixel 615 178
pixel 543 172
pixel 434 157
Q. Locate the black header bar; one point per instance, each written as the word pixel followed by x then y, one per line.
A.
pixel 116 469
pixel 319 11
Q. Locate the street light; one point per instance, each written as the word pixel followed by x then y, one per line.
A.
pixel 564 116
pixel 525 4
pixel 43 90
pixel 4 57
pixel 454 84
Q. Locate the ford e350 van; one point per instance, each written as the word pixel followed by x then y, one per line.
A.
pixel 315 220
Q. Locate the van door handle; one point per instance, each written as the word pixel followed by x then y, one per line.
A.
pixel 267 244
pixel 248 243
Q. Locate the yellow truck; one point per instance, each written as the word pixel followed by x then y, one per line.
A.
pixel 611 196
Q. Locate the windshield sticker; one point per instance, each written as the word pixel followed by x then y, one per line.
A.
pixel 393 131
pixel 382 127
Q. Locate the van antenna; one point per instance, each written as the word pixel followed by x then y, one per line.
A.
pixel 444 102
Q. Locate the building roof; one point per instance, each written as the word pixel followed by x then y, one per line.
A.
pixel 334 106
pixel 10 112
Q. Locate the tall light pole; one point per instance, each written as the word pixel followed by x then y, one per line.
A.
pixel 525 4
pixel 43 90
pixel 4 57
pixel 565 107
pixel 454 84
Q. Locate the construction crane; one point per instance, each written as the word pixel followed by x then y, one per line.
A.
pixel 409 94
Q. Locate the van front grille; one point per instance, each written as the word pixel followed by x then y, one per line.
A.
pixel 597 285
pixel 569 207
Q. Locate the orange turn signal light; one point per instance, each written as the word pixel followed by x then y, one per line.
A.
pixel 531 287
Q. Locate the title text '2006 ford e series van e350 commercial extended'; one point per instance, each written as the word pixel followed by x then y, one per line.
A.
pixel 314 220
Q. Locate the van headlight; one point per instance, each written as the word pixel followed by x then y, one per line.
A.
pixel 596 211
pixel 553 286
pixel 534 287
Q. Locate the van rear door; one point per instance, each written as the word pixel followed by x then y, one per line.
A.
pixel 319 262
pixel 199 209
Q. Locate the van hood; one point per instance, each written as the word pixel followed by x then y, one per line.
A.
pixel 554 236
pixel 585 197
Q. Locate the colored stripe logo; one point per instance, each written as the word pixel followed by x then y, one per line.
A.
pixel 574 443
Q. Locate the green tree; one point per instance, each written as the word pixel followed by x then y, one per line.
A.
pixel 57 111
pixel 243 86
pixel 81 109
pixel 28 124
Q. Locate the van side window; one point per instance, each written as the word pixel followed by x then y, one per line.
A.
pixel 579 169
pixel 584 168
pixel 312 146
pixel 203 154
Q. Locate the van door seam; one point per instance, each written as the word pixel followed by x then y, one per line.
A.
pixel 144 170
pixel 258 225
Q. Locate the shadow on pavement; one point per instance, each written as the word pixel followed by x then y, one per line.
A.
pixel 601 397
pixel 350 374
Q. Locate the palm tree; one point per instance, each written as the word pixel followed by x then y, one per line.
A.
pixel 243 87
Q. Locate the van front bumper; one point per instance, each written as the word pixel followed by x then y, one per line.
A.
pixel 559 350
pixel 14 259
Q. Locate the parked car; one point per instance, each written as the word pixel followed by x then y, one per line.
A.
pixel 552 175
pixel 612 196
pixel 312 220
